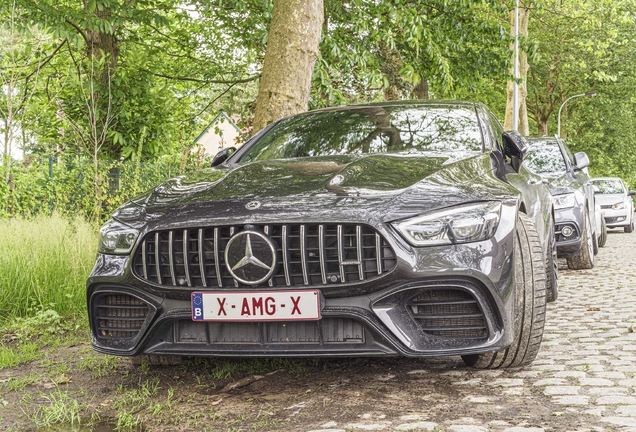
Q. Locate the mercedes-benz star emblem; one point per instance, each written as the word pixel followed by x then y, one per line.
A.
pixel 250 257
pixel 253 205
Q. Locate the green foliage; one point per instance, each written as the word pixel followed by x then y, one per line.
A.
pixel 583 46
pixel 45 264
pixel 73 187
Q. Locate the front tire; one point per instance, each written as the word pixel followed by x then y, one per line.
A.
pixel 603 238
pixel 586 259
pixel 530 298
pixel 629 228
pixel 552 269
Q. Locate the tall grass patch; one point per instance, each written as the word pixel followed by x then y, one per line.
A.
pixel 44 264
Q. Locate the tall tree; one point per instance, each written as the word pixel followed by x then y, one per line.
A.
pixel 292 49
pixel 525 6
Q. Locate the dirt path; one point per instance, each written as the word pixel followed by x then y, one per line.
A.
pixel 582 380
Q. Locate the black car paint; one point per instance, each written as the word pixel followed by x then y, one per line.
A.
pixel 372 189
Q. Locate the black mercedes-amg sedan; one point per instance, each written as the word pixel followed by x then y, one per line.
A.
pixel 401 228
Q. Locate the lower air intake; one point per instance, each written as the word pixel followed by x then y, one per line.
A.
pixel 449 312
pixel 119 316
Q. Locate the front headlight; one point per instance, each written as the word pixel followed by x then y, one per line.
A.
pixel 460 224
pixel 619 206
pixel 116 238
pixel 563 201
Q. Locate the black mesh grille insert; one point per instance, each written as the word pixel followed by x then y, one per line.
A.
pixel 307 254
pixel 119 316
pixel 449 312
pixel 327 331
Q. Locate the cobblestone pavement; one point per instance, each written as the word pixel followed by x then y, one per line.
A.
pixel 584 378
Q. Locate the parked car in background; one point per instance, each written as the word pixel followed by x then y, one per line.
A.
pixel 384 229
pixel 616 202
pixel 575 215
pixel 601 226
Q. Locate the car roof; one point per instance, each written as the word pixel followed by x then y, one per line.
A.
pixel 413 103
pixel 606 178
pixel 535 139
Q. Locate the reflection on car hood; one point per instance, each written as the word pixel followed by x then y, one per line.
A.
pixel 558 183
pixel 378 187
pixel 605 199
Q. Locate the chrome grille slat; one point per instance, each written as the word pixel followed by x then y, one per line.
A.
pixel 340 254
pixel 158 257
pixel 201 261
pixel 171 257
pixel 359 251
pixel 303 253
pixel 217 262
pixel 186 266
pixel 286 254
pixel 317 254
pixel 267 230
pixel 143 259
pixel 378 252
pixel 321 253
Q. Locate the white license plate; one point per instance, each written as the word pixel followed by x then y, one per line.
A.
pixel 256 306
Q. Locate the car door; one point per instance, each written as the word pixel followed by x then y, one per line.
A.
pixel 580 180
pixel 536 195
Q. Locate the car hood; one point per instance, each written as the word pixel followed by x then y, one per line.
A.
pixel 559 183
pixel 606 199
pixel 377 187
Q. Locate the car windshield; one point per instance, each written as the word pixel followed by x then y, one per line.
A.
pixel 372 129
pixel 608 186
pixel 545 158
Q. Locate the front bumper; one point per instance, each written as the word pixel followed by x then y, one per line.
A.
pixel 617 218
pixel 373 319
pixel 572 218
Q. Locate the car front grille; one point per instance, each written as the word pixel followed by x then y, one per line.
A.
pixel 449 312
pixel 608 206
pixel 324 332
pixel 119 316
pixel 309 255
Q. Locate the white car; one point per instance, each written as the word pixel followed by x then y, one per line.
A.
pixel 615 201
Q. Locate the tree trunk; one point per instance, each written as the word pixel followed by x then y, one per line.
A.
pixel 523 127
pixel 292 49
pixel 390 66
pixel 542 126
pixel 103 50
pixel 420 91
pixel 100 44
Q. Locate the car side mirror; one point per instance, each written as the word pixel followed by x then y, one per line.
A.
pixel 222 156
pixel 581 161
pixel 631 193
pixel 515 145
pixel 596 189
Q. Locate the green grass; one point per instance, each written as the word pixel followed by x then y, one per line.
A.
pixel 45 262
pixel 61 408
pixel 14 356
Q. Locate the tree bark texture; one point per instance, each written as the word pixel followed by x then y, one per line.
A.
pixel 523 127
pixel 420 91
pixel 292 50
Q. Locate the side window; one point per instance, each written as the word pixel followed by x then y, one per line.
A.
pixel 497 130
pixel 568 154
